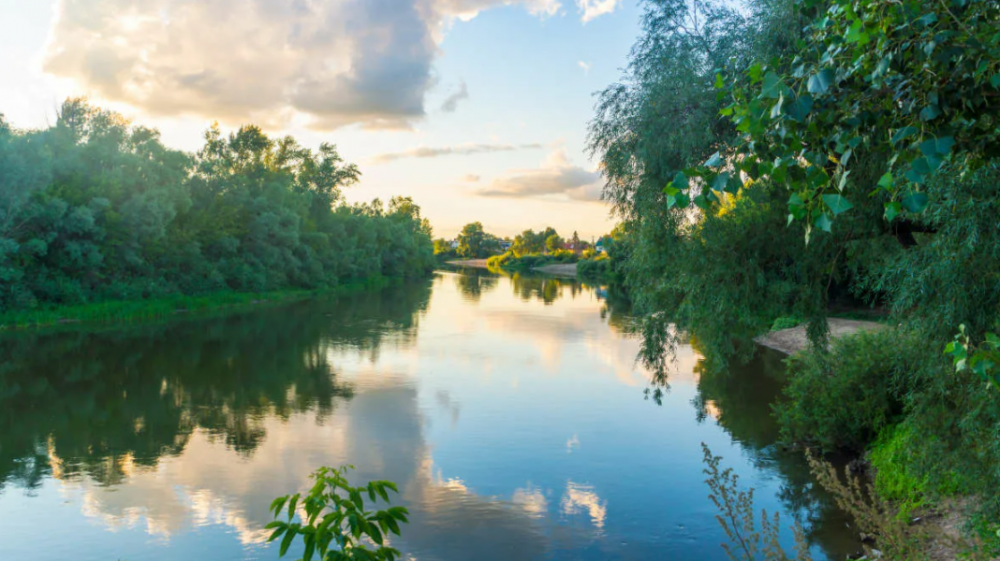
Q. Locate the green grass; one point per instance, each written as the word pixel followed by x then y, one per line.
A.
pixel 894 481
pixel 141 310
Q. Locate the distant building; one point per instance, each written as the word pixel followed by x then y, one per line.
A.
pixel 454 244
pixel 505 245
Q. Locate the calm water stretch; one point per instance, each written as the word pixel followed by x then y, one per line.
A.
pixel 509 410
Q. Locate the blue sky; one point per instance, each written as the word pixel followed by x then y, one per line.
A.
pixel 476 108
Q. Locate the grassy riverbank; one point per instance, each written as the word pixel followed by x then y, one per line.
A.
pixel 140 310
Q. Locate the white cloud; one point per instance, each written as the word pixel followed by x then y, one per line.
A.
pixel 584 65
pixel 592 9
pixel 462 150
pixel 556 178
pixel 339 62
pixel 471 178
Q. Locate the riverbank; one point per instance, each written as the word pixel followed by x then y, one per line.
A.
pixel 472 263
pixel 795 339
pixel 140 310
pixel 559 269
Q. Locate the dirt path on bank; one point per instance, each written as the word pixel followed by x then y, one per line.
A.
pixel 793 340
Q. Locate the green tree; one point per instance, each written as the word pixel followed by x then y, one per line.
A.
pixel 553 243
pixel 96 208
pixel 442 247
pixel 474 242
pixel 530 242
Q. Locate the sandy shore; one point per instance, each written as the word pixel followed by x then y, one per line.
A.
pixel 793 340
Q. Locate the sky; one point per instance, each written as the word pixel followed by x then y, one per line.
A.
pixel 477 109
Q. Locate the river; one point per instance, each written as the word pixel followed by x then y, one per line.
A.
pixel 509 410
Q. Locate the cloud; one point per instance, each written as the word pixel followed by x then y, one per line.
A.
pixel 471 178
pixel 463 150
pixel 592 9
pixel 337 62
pixel 451 103
pixel 556 178
pixel 584 65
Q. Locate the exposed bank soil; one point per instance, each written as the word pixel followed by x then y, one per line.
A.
pixel 795 339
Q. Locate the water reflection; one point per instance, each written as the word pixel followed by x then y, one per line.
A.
pixel 507 408
pixel 110 401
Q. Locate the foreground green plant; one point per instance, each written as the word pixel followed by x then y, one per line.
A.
pixel 738 519
pixel 875 517
pixel 336 525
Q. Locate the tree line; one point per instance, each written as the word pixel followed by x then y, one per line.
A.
pixel 474 242
pixel 776 162
pixel 96 208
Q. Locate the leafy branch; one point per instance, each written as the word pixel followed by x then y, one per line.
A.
pixel 981 359
pixel 334 525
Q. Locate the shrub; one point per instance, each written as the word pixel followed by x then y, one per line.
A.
pixel 564 256
pixel 594 269
pixel 841 399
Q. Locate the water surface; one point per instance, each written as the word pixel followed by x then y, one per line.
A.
pixel 509 410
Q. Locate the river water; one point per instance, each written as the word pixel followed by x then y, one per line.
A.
pixel 509 410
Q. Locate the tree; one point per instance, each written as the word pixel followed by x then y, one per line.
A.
pixel 528 242
pixel 474 242
pixel 97 208
pixel 442 246
pixel 875 121
pixel 553 243
pixel 576 241
pixel 850 103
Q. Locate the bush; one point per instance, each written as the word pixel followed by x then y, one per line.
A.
pixel 564 256
pixel 510 261
pixel 841 399
pixel 595 269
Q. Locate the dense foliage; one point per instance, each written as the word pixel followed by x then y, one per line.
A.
pixel 95 208
pixel 531 249
pixel 792 158
pixel 860 378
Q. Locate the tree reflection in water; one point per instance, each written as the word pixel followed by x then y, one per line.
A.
pixel 110 400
